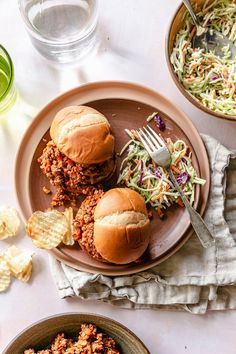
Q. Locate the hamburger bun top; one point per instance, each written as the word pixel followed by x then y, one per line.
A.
pixel 83 135
pixel 121 227
pixel 118 200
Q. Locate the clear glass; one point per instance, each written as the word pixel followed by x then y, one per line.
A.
pixel 61 30
pixel 7 88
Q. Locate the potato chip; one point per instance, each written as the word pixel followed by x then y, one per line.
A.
pixel 47 229
pixel 5 275
pixel 9 223
pixel 19 262
pixel 26 274
pixel 68 238
pixel 2 226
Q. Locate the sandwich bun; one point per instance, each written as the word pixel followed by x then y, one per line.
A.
pixel 83 135
pixel 121 226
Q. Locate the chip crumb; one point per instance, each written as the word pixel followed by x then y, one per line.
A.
pixel 139 108
pixel 45 140
pixel 46 190
pixel 114 115
pixel 68 238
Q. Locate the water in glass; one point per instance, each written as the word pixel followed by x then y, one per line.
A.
pixel 61 30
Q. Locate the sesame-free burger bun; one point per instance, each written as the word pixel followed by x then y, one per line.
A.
pixel 122 226
pixel 83 134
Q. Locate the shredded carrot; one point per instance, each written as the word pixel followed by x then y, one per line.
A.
pixel 179 159
pixel 192 33
pixel 191 79
pixel 190 39
pixel 154 164
pixel 158 196
pixel 180 164
pixel 135 134
pixel 180 202
pixel 169 147
pixel 175 169
pixel 160 212
pixel 129 174
pixel 195 65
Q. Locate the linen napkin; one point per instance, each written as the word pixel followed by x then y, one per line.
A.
pixel 194 279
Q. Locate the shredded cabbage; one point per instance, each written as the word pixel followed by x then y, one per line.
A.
pixel 139 172
pixel 209 78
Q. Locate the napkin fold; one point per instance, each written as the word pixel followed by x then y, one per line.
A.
pixel 193 279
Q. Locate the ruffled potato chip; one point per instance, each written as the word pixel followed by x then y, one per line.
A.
pixel 26 273
pixel 19 263
pixel 9 222
pixel 5 275
pixel 68 238
pixel 47 229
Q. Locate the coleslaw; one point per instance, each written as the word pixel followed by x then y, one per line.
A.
pixel 209 78
pixel 139 172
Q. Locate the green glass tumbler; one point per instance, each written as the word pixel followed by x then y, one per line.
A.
pixel 7 88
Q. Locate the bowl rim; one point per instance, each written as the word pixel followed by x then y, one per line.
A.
pixel 67 314
pixel 181 88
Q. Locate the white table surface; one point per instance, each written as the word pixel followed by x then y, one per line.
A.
pixel 132 34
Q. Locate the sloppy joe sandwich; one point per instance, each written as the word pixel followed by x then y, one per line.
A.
pixel 80 154
pixel 113 226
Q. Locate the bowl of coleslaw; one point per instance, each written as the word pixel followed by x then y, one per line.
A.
pixel 206 80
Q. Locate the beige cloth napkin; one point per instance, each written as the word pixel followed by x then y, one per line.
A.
pixel 194 279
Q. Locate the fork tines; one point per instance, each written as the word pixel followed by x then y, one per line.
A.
pixel 150 139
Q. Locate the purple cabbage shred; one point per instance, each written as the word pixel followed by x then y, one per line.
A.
pixel 183 178
pixel 215 77
pixel 160 123
pixel 158 173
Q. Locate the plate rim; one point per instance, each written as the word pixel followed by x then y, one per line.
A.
pixel 67 314
pixel 118 84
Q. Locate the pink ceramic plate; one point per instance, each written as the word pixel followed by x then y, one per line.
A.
pixel 126 105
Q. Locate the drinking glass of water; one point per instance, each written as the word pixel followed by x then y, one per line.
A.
pixel 7 88
pixel 61 30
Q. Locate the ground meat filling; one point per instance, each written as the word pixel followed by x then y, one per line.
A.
pixel 84 224
pixel 90 341
pixel 71 178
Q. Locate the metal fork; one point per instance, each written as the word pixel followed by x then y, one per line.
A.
pixel 160 154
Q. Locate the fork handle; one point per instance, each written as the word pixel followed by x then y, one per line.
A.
pixel 200 28
pixel 199 225
pixel 188 4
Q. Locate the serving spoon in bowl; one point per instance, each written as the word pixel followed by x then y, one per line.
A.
pixel 209 38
